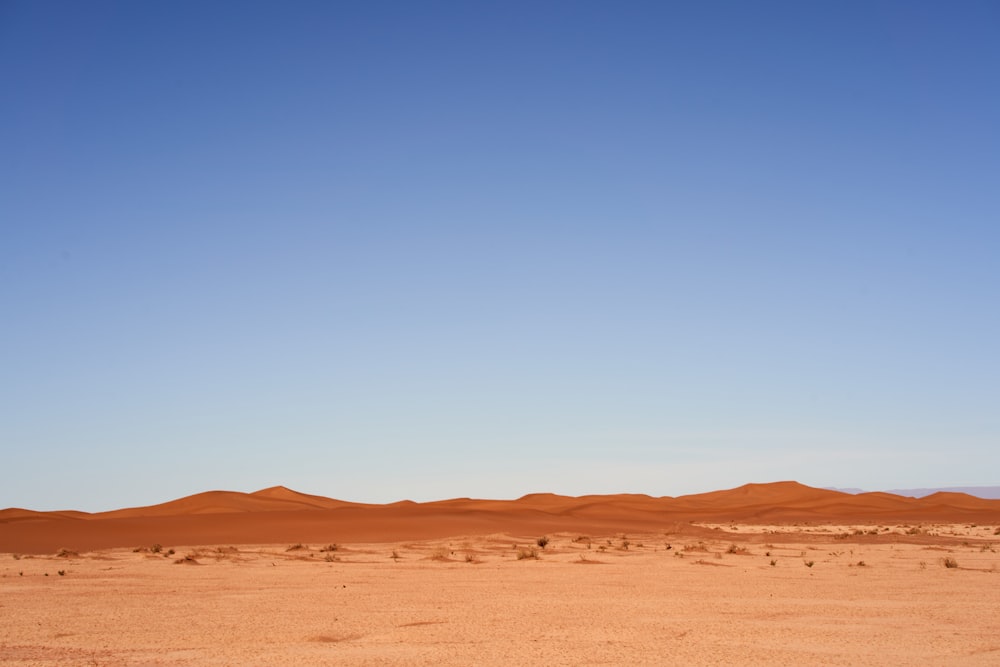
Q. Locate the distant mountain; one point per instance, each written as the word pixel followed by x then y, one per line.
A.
pixel 988 492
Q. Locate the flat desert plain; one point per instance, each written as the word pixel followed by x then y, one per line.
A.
pixel 760 575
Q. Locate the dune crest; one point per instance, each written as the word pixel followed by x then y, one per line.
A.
pixel 279 514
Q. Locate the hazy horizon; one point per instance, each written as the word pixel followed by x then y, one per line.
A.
pixel 388 250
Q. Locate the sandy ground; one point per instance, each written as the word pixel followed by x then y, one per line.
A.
pixel 723 594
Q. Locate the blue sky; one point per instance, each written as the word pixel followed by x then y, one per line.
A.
pixel 424 250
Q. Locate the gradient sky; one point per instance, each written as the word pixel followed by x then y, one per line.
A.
pixel 380 250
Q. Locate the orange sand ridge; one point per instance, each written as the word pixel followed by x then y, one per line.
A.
pixel 277 515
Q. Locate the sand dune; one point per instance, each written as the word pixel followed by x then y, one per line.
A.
pixel 278 514
pixel 764 574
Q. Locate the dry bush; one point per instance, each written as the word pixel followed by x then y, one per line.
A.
pixel 66 553
pixel 329 547
pixel 542 542
pixel 949 562
pixel 738 550
pixel 527 553
pixel 296 547
pixel 809 563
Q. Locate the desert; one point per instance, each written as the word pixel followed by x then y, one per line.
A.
pixel 762 574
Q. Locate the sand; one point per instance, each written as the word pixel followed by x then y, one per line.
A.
pixel 697 592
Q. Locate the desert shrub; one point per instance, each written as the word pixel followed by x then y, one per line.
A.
pixel 542 542
pixel 809 563
pixel 62 573
pixel 66 553
pixel 529 553
pixel 773 562
pixel 734 549
pixel 156 548
pixel 861 563
pixel 295 547
pixel 329 547
pixel 949 562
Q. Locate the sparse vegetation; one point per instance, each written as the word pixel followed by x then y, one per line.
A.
pixel 949 562
pixel 809 563
pixel 861 563
pixel 156 548
pixel 330 547
pixel 66 553
pixel 735 549
pixel 295 547
pixel 542 542
pixel 62 573
pixel 773 562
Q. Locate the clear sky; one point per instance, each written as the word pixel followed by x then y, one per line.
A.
pixel 386 250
